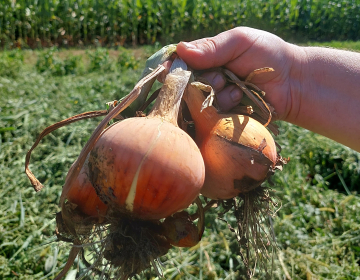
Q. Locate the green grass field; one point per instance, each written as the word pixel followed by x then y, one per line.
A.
pixel 317 226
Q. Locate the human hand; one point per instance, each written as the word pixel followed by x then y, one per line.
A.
pixel 315 88
pixel 242 50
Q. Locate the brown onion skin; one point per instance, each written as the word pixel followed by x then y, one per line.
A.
pixel 238 151
pixel 171 167
pixel 84 195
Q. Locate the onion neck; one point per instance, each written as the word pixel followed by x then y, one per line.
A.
pixel 204 120
pixel 168 102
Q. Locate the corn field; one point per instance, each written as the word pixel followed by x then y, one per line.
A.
pixel 39 23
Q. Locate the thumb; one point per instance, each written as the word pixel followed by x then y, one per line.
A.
pixel 214 51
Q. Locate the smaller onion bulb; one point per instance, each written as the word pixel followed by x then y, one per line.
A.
pixel 238 151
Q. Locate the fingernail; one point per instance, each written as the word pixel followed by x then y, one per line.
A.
pixel 189 45
pixel 218 80
pixel 235 95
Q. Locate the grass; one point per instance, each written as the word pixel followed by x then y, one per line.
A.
pixel 317 227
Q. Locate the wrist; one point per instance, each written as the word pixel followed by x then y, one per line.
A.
pixel 324 93
pixel 298 71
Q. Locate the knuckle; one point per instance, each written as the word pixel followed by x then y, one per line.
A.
pixel 211 48
pixel 210 44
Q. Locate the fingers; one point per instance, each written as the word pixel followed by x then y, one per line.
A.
pixel 216 51
pixel 225 50
pixel 216 80
pixel 242 50
pixel 227 96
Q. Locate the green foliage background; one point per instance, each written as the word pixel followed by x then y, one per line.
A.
pixel 37 23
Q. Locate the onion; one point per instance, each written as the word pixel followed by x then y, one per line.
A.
pixel 147 166
pixel 84 195
pixel 238 151
pixel 180 230
pixel 142 170
pixel 122 195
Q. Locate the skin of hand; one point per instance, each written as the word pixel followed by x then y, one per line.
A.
pixel 315 88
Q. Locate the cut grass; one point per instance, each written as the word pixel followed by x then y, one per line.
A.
pixel 317 229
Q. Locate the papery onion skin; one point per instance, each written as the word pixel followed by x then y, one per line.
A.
pixel 238 151
pixel 152 176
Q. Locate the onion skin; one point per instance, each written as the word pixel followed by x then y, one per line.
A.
pixel 238 151
pixel 84 195
pixel 168 179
